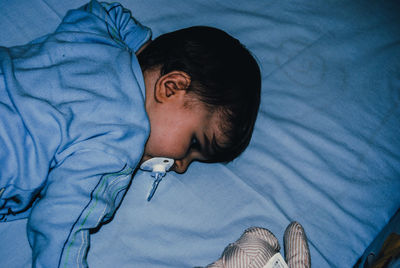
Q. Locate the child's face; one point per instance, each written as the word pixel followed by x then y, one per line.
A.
pixel 181 127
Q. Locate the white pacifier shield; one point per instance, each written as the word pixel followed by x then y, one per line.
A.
pixel 157 164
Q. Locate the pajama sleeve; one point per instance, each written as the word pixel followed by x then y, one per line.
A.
pixel 91 174
pixel 82 192
pixel 111 21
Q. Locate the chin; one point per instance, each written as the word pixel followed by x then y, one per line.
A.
pixel 145 158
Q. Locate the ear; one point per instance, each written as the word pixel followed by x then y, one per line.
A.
pixel 172 85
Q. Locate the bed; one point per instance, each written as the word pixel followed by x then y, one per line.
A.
pixel 325 150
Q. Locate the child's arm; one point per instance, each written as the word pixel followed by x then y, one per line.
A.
pixel 111 21
pixel 85 188
pixel 81 193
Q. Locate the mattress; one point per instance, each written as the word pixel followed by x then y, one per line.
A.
pixel 325 150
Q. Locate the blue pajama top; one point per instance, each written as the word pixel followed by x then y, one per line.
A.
pixel 72 129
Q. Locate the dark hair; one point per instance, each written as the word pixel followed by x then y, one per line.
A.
pixel 224 76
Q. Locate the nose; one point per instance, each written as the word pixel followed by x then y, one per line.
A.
pixel 181 165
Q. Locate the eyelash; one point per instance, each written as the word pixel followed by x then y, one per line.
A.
pixel 194 144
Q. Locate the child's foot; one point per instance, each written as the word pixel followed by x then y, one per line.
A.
pixel 296 247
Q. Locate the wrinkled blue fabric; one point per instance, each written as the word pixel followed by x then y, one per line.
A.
pixel 325 149
pixel 72 129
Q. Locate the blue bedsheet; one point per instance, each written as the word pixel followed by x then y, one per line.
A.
pixel 326 147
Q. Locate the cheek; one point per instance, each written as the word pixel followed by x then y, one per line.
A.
pixel 166 145
pixel 169 136
pixel 175 146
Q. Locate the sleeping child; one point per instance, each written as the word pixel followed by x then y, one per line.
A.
pixel 82 107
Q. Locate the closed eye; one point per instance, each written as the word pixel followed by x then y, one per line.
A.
pixel 195 144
